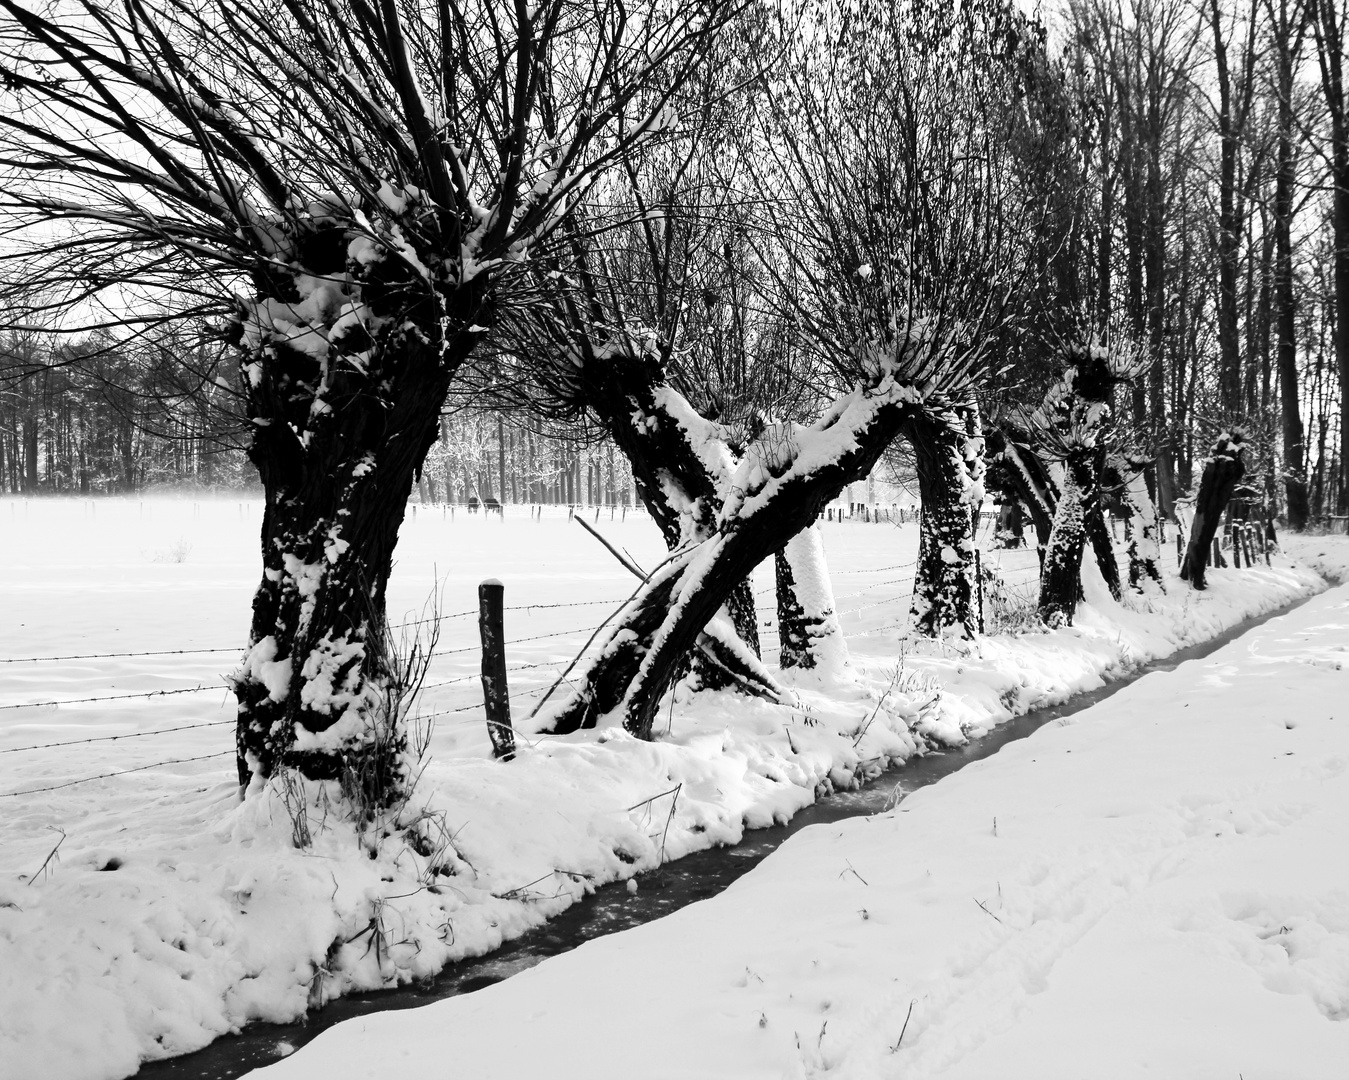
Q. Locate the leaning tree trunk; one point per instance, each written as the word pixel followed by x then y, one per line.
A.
pixel 808 626
pixel 679 465
pixel 778 490
pixel 1222 470
pixel 1143 551
pixel 1021 474
pixel 948 452
pixel 1061 574
pixel 342 421
pixel 1098 533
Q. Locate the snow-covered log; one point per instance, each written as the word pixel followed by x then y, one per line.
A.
pixel 808 627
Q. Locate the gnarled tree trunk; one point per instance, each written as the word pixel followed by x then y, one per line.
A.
pixel 679 464
pixel 1222 470
pixel 1016 470
pixel 344 408
pixel 787 475
pixel 948 450
pixel 1142 547
pixel 1061 574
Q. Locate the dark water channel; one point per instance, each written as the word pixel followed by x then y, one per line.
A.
pixel 612 908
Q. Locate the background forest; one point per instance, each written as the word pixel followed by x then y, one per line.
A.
pixel 1187 162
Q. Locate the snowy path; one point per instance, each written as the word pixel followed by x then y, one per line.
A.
pixel 1157 889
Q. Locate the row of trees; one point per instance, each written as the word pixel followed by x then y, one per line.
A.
pixel 103 416
pixel 753 248
pixel 1214 226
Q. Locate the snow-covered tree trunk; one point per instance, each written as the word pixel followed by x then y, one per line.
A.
pixel 808 627
pixel 778 489
pixel 344 409
pixel 1143 551
pixel 948 452
pixel 1222 469
pixel 1017 470
pixel 1098 533
pixel 680 465
pixel 1061 574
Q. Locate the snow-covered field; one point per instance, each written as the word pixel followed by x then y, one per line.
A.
pixel 169 913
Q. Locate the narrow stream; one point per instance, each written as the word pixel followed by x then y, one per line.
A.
pixel 612 908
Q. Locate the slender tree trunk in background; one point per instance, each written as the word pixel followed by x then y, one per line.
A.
pixel 1061 574
pixel 1287 46
pixel 1327 22
pixel 30 437
pixel 1222 470
pixel 1229 225
pixel 808 627
pixel 948 455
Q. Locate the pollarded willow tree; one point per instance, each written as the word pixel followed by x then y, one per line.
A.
pixel 643 327
pixel 1074 426
pixel 890 253
pixel 892 175
pixel 353 187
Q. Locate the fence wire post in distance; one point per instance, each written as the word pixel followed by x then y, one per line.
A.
pixel 979 586
pixel 495 695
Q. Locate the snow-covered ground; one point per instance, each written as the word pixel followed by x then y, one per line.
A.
pixel 1156 887
pixel 169 913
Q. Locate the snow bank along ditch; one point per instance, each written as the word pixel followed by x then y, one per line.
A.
pixel 696 876
pixel 174 915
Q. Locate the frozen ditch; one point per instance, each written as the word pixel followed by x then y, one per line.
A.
pixel 613 908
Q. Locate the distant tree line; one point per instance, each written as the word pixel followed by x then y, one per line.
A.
pixel 102 416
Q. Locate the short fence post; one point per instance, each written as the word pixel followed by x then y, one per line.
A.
pixel 495 695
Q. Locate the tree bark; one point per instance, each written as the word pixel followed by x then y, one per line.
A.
pixel 779 496
pixel 1222 470
pixel 948 454
pixel 1061 573
pixel 344 394
pixel 313 691
pixel 1143 551
pixel 808 627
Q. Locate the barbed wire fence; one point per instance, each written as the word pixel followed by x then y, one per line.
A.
pixel 848 614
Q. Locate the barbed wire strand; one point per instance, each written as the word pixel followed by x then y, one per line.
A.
pixel 117 772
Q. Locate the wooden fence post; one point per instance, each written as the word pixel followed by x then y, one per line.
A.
pixel 979 586
pixel 495 695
